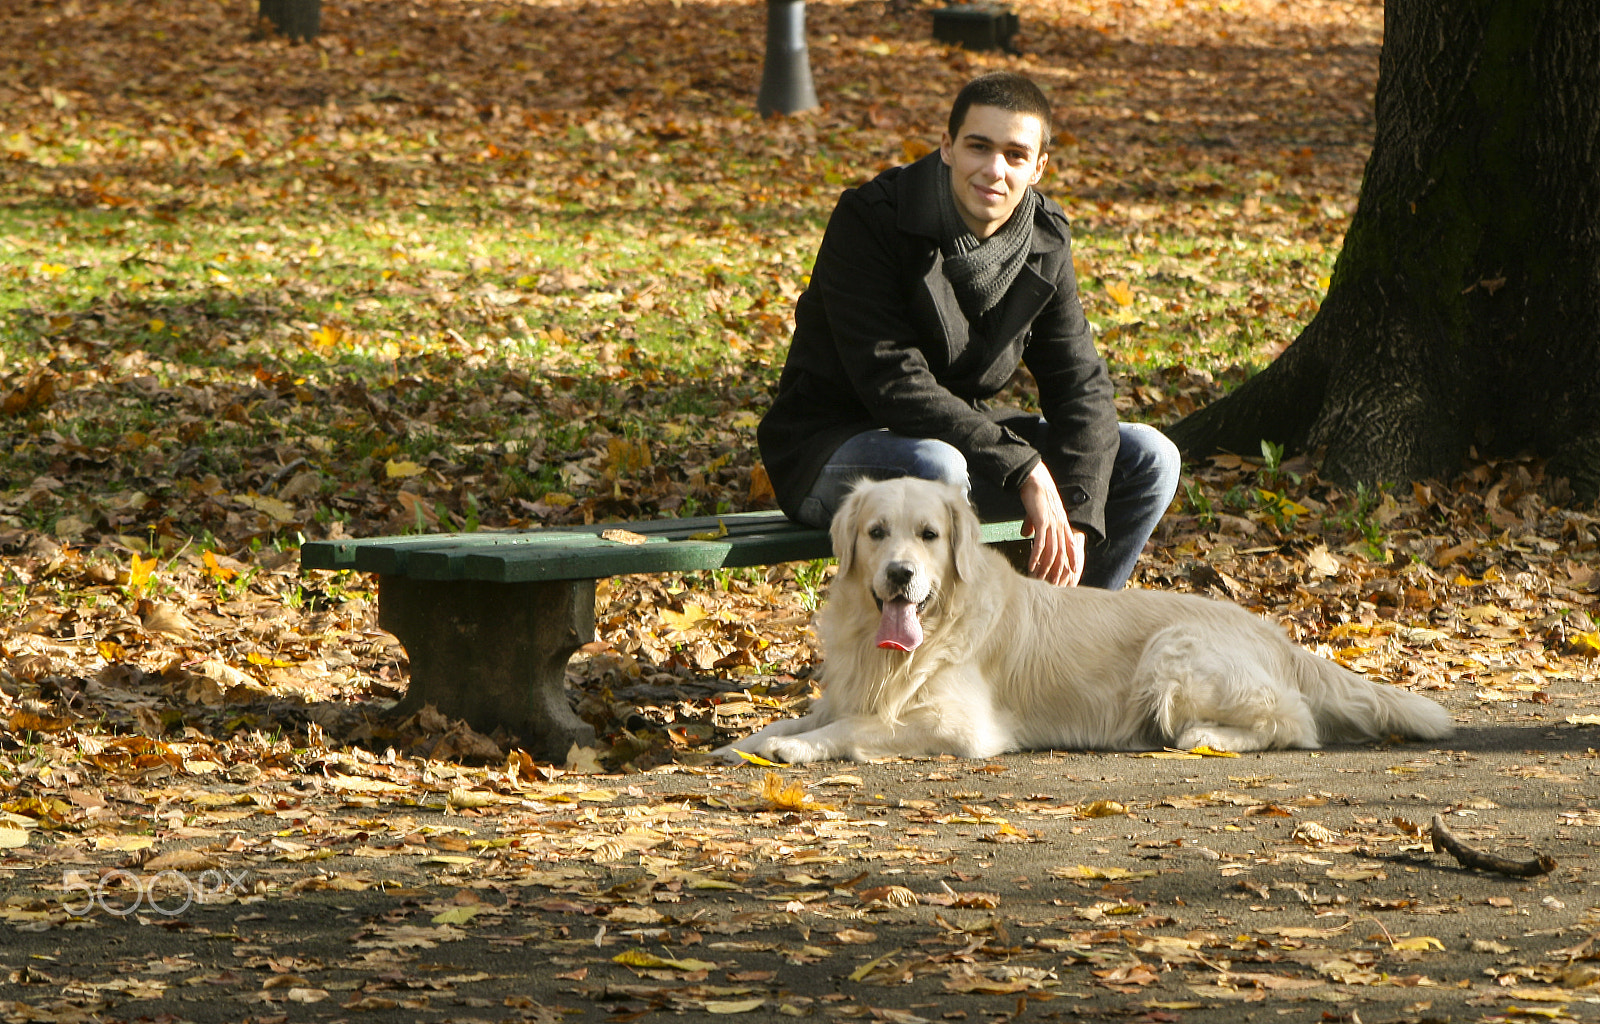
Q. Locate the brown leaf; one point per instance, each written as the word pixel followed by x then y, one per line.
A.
pixel 159 617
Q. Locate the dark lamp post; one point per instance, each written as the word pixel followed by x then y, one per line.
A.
pixel 786 79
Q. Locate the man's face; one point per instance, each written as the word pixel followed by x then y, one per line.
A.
pixel 993 160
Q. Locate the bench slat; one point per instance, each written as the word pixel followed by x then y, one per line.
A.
pixel 422 560
pixel 344 553
pixel 581 554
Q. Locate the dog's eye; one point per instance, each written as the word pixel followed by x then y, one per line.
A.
pixel 929 533
pixel 877 533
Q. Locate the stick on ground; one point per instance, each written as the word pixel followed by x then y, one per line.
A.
pixel 1444 841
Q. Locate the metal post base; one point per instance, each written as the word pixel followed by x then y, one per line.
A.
pixel 786 86
pixel 299 20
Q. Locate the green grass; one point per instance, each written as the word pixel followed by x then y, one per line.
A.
pixel 448 303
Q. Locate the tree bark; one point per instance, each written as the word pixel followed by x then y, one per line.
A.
pixel 1464 308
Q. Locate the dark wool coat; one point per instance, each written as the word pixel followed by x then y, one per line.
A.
pixel 880 341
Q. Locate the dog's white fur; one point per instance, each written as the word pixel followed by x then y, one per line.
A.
pixel 1010 663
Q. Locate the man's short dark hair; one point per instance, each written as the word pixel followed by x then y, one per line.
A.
pixel 1006 90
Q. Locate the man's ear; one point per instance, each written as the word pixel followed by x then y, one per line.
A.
pixel 946 147
pixel 1038 171
pixel 842 530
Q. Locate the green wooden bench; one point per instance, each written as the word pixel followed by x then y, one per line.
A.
pixel 490 619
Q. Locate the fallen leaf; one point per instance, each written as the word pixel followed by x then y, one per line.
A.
pixel 734 1006
pixel 1420 942
pixel 401 470
pixel 641 958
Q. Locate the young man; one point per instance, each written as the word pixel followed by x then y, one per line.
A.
pixel 933 282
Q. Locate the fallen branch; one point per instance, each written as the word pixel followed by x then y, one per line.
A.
pixel 1444 841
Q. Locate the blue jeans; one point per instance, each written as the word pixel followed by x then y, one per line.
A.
pixel 1143 482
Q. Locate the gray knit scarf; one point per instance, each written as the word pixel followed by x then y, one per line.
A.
pixel 981 271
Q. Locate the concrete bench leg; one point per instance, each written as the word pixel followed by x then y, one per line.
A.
pixel 494 654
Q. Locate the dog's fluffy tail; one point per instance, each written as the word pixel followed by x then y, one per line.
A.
pixel 1350 708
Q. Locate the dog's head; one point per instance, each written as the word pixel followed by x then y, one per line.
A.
pixel 907 542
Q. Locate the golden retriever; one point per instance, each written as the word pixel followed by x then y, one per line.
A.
pixel 935 645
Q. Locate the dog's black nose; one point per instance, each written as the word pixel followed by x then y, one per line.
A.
pixel 899 573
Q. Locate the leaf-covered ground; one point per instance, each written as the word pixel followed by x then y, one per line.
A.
pixel 486 265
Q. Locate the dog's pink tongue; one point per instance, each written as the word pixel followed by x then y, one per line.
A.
pixel 899 630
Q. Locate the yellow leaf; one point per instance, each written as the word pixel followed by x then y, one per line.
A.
pixel 641 958
pixel 156 325
pixel 1120 293
pixel 1357 875
pixel 277 510
pixel 625 457
pixel 123 844
pixel 1542 995
pixel 915 149
pixel 214 570
pixel 400 470
pixel 760 485
pixel 358 784
pixel 734 1005
pixel 747 420
pixel 1102 809
pixel 558 499
pixel 139 571
pixel 868 967
pixel 1588 643
pixel 1205 751
pixel 330 335
pixel 457 915
pixel 681 622
pixel 717 534
pixel 12 838
pixel 782 798
pixel 756 759
pixel 1583 719
pixel 1100 874
pixel 1419 942
pixel 1281 505
pixel 266 661
pixel 1170 755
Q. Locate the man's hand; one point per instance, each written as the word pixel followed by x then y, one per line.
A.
pixel 1057 556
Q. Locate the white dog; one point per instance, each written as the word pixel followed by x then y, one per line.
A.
pixel 935 645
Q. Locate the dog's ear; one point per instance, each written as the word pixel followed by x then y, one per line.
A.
pixel 966 536
pixel 842 530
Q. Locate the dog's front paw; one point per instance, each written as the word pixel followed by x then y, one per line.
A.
pixel 1220 737
pixel 774 750
pixel 793 750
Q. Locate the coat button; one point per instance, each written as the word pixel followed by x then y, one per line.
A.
pixel 1076 495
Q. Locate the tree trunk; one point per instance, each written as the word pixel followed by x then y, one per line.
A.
pixel 1464 309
